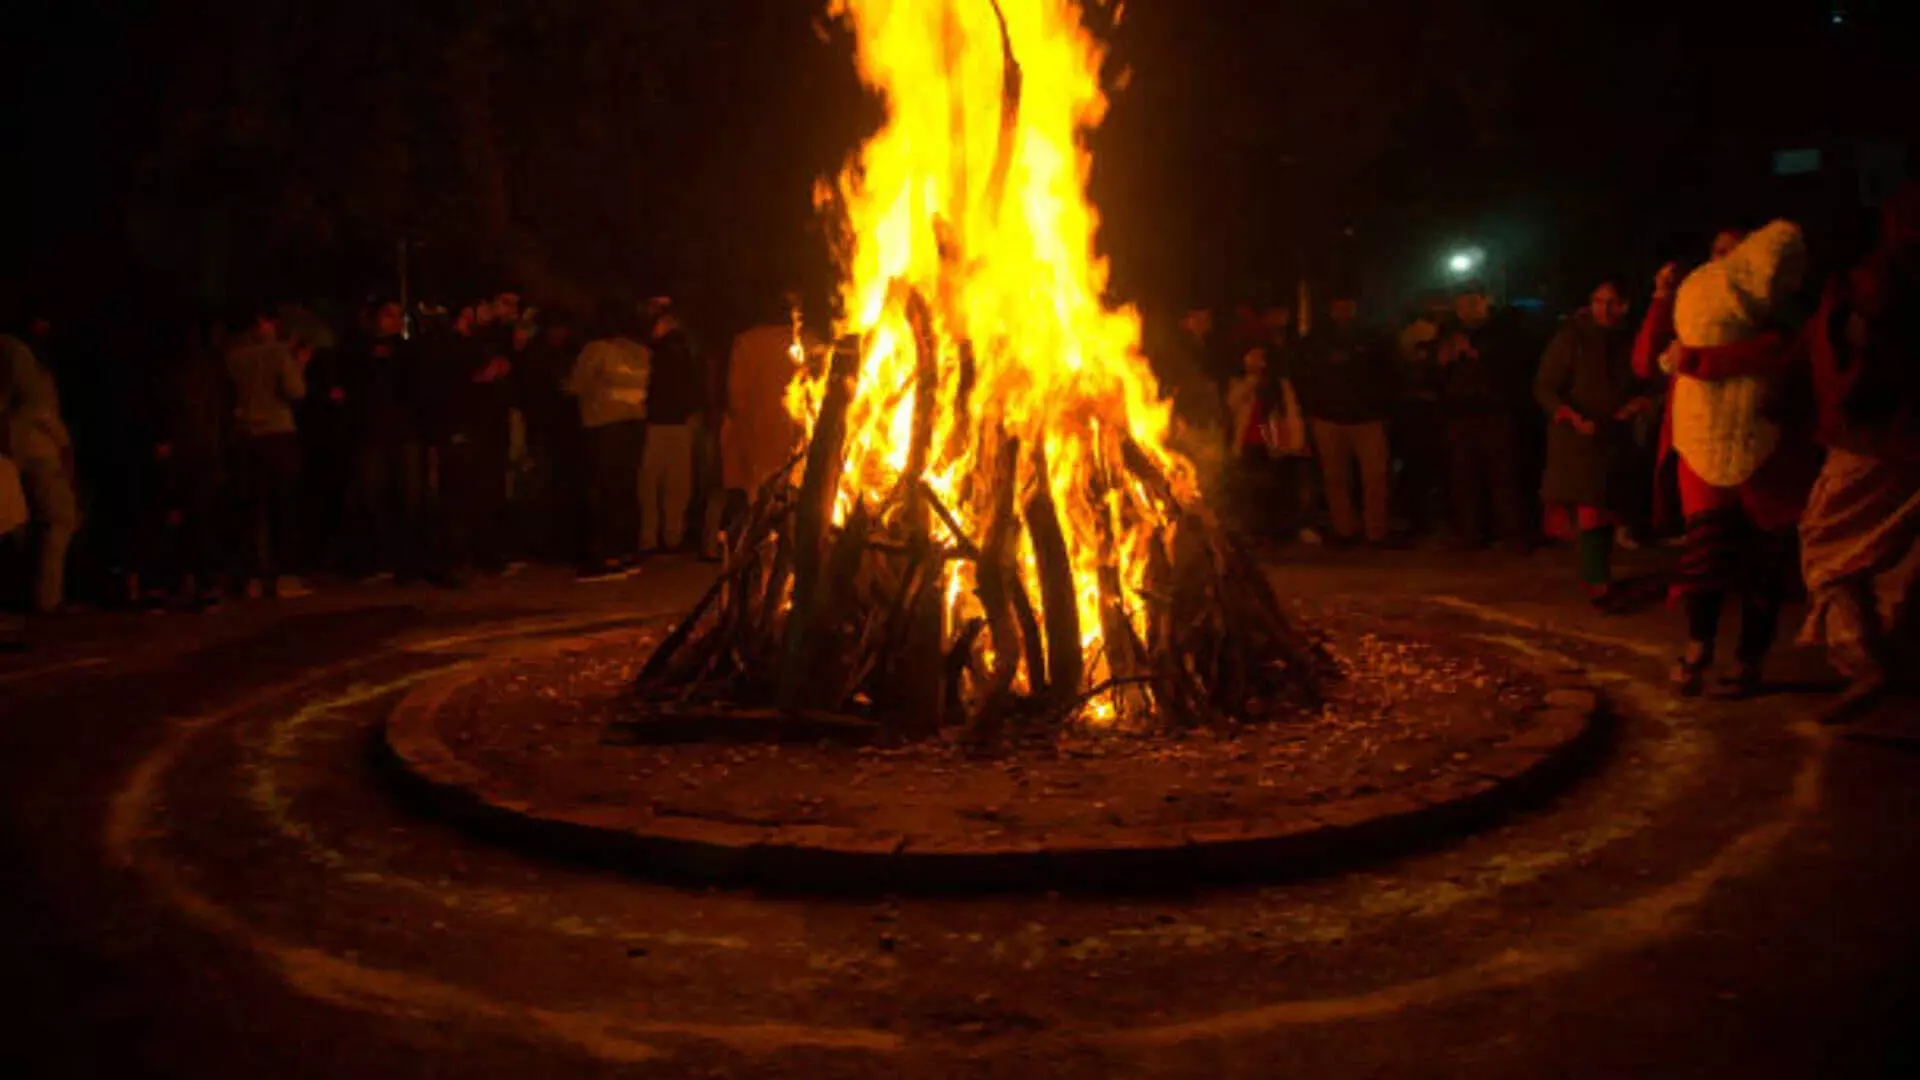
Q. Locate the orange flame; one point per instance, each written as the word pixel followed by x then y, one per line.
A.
pixel 996 236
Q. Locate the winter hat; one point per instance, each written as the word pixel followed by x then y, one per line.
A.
pixel 1730 299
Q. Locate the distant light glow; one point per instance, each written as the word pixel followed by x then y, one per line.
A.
pixel 1464 261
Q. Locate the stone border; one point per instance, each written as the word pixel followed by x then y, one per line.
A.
pixel 1567 733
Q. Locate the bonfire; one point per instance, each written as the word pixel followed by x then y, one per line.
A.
pixel 985 528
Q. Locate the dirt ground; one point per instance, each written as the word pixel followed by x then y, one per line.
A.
pixel 208 877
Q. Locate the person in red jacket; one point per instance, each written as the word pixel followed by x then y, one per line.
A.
pixel 1860 539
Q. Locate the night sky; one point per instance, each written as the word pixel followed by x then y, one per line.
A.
pixel 170 154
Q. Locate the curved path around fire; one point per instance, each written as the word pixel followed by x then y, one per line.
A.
pixel 257 825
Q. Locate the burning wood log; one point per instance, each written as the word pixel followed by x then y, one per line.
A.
pixel 1058 599
pixel 813 512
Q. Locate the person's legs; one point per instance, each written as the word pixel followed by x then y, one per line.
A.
pixel 55 510
pixel 1336 466
pixel 1464 484
pixel 1498 453
pixel 283 464
pixel 676 484
pixel 1594 529
pixel 633 449
pixel 1370 447
pixel 369 512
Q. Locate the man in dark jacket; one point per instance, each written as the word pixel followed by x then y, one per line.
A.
pixel 471 379
pixel 1345 381
pixel 381 385
pixel 1483 382
pixel 676 396
pixel 188 409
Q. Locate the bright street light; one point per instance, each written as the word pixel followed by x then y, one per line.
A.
pixel 1465 261
pixel 1461 263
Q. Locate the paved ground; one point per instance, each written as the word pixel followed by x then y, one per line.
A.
pixel 207 877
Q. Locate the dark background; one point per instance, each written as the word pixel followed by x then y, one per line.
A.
pixel 164 156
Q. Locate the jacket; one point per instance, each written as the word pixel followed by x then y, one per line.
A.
pixel 610 380
pixel 1343 376
pixel 267 380
pixel 1587 369
pixel 30 421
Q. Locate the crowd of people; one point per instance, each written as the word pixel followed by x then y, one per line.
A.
pixel 436 445
pixel 1750 415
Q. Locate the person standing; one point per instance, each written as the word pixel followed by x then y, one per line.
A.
pixel 1344 377
pixel 1742 461
pixel 758 435
pixel 37 440
pixel 382 387
pixel 1860 538
pixel 1419 423
pixel 1480 364
pixel 13 521
pixel 1588 390
pixel 609 380
pixel 189 412
pixel 472 375
pixel 268 379
pixel 676 396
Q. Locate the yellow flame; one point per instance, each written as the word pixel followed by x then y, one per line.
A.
pixel 1020 281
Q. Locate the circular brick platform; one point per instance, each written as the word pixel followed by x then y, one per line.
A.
pixel 1546 748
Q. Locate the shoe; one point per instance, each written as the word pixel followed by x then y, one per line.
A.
pixel 610 570
pixel 1859 698
pixel 1741 685
pixel 1623 538
pixel 1311 537
pixel 378 577
pixel 288 587
pixel 513 569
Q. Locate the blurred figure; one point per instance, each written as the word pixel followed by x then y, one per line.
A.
pixel 189 410
pixel 1480 363
pixel 1587 388
pixel 609 380
pixel 268 379
pixel 472 376
pixel 546 495
pixel 13 524
pixel 1418 431
pixel 676 395
pixel 42 450
pixel 1860 539
pixel 1344 377
pixel 382 384
pixel 757 434
pixel 1187 370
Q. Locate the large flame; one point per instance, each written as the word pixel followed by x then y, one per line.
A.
pixel 980 214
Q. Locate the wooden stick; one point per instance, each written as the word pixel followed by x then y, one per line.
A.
pixel 926 400
pixel 826 456
pixel 967 547
pixel 993 572
pixel 1057 597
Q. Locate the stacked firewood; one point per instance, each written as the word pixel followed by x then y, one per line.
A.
pixel 850 618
